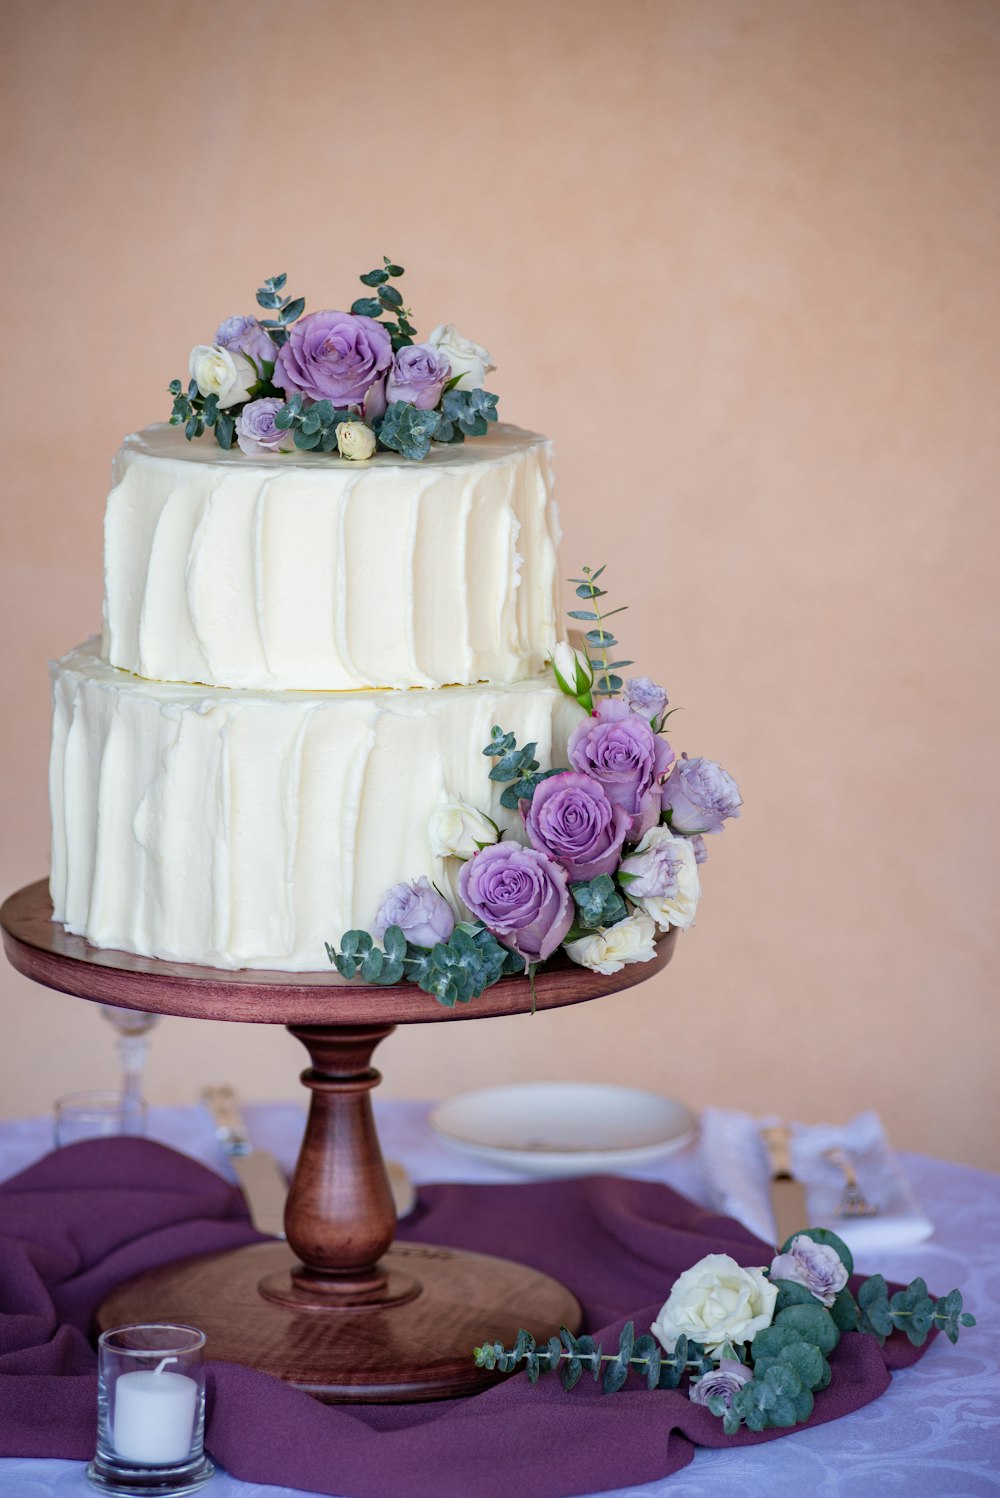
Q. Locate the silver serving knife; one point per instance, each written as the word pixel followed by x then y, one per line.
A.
pixel 788 1196
pixel 261 1181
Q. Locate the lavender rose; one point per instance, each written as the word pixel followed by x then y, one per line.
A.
pixel 521 896
pixel 700 795
pixel 617 747
pixel 256 432
pixel 721 1383
pixel 663 878
pixel 423 916
pixel 418 375
pixel 817 1266
pixel 645 697
pixel 333 356
pixel 244 335
pixel 572 819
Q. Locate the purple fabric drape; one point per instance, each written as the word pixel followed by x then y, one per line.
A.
pixel 89 1216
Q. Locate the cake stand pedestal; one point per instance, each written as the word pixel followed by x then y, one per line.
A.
pixel 338 1310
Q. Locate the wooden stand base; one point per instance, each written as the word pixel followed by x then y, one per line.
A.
pixel 339 1310
pixel 414 1349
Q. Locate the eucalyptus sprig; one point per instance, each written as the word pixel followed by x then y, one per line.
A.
pixel 787 1361
pixel 289 309
pixel 599 640
pixel 314 423
pixel 387 302
pixel 199 411
pixel 452 971
pixel 465 413
pixel 519 766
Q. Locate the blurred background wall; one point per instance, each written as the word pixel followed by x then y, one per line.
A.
pixel 739 259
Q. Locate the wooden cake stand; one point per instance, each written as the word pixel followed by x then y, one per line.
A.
pixel 338 1310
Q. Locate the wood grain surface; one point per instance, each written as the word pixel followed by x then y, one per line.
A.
pixel 45 952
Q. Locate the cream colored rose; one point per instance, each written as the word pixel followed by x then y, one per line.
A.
pixel 608 949
pixel 664 878
pixel 458 830
pixel 355 440
pixel 572 671
pixel 468 359
pixel 218 371
pixel 716 1301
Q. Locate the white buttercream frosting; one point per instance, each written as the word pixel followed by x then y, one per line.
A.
pixel 314 573
pixel 244 828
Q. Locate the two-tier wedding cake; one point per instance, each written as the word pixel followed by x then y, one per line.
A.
pixel 312 628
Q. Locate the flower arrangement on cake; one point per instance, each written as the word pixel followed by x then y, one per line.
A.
pixel 753 1345
pixel 610 849
pixel 345 382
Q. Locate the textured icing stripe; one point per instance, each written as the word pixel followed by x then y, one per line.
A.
pixel 257 825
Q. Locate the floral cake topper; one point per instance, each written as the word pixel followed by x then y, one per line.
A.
pixel 346 382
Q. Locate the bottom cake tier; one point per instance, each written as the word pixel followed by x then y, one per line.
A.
pixel 247 828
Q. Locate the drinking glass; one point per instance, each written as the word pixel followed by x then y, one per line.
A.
pixel 150 1411
pixel 98 1115
pixel 133 1027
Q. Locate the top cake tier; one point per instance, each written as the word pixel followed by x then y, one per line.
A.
pixel 310 572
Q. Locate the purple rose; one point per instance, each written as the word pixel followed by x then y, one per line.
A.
pixel 521 896
pixel 244 335
pixel 333 356
pixel 645 697
pixel 418 375
pixel 700 795
pixel 256 432
pixel 617 747
pixel 423 916
pixel 721 1383
pixel 571 818
pixel 817 1266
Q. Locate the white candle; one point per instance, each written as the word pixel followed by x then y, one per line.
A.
pixel 154 1417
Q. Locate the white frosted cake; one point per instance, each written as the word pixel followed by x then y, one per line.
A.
pixel 228 786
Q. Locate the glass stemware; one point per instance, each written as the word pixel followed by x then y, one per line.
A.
pixel 133 1028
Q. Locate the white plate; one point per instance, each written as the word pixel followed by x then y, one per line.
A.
pixel 564 1128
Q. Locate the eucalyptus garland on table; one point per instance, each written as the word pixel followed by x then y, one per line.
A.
pixel 608 854
pixel 753 1345
pixel 345 382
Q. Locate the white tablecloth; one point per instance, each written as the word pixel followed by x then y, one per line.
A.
pixel 934 1434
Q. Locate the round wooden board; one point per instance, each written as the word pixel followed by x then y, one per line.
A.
pixel 45 952
pixel 421 1349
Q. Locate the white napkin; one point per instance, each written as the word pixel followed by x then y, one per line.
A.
pixel 735 1164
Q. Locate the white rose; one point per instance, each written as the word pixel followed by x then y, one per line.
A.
pixel 608 949
pixel 355 440
pixel 458 830
pixel 218 371
pixel 664 857
pixel 573 673
pixel 716 1301
pixel 468 359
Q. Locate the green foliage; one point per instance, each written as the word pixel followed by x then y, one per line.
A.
pixel 465 413
pixel 197 411
pixel 407 430
pixel 580 687
pixel 598 903
pixel 314 423
pixel 386 303
pixel 573 1356
pixel 453 972
pixel 459 969
pixel 912 1311
pixel 516 765
pixel 599 639
pixel 289 309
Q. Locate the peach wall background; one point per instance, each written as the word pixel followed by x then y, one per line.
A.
pixel 740 260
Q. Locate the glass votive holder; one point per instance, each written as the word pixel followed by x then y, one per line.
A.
pixel 98 1115
pixel 150 1412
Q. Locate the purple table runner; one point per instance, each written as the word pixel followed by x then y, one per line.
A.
pixel 87 1217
